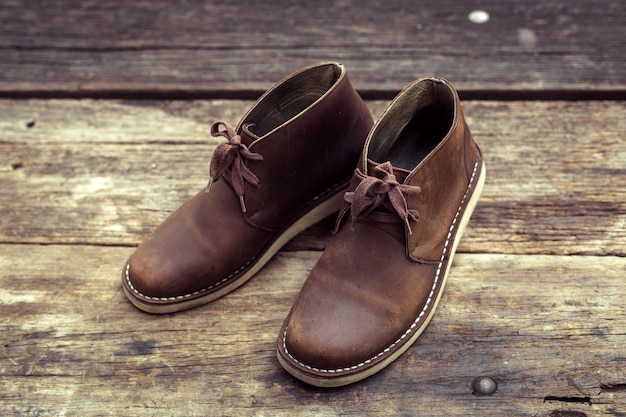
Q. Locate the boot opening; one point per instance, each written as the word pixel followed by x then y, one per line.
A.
pixel 425 113
pixel 292 97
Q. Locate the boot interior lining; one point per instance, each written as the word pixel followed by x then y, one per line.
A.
pixel 292 97
pixel 425 114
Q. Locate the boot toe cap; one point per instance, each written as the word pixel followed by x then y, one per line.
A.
pixel 150 282
pixel 333 345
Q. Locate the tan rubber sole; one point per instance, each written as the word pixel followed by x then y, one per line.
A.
pixel 323 210
pixel 337 381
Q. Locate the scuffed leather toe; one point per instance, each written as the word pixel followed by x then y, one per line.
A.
pixel 340 323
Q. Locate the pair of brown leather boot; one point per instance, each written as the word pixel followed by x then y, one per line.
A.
pixel 288 164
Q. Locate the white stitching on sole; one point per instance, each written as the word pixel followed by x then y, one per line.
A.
pixel 419 317
pixel 326 192
pixel 179 297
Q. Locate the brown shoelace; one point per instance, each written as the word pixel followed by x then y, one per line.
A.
pixel 381 190
pixel 230 159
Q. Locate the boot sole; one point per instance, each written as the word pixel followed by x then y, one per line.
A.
pixel 338 381
pixel 319 212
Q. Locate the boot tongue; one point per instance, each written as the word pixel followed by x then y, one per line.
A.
pixel 400 174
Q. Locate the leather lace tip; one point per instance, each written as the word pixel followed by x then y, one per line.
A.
pixel 243 204
pixel 352 224
pixel 208 186
pixel 408 225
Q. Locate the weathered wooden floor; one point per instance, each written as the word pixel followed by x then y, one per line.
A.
pixel 105 111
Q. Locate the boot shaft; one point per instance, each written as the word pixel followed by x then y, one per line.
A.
pixel 424 135
pixel 310 129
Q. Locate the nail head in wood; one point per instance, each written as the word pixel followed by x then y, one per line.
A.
pixel 483 385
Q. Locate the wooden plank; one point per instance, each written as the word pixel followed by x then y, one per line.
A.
pixel 107 172
pixel 548 329
pixel 211 48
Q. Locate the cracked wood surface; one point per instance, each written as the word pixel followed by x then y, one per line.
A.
pixel 61 353
pixel 107 172
pixel 211 48
pixel 535 295
pixel 544 327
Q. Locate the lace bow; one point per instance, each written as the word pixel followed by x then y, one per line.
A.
pixel 381 190
pixel 229 158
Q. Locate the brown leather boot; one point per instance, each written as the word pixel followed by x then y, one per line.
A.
pixel 377 284
pixel 283 168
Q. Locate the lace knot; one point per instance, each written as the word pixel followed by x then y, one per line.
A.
pixel 381 190
pixel 229 158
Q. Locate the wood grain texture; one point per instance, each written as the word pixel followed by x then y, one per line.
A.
pixel 535 296
pixel 107 172
pixel 546 328
pixel 211 48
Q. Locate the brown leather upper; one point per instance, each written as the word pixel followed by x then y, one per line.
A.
pixel 375 284
pixel 309 129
